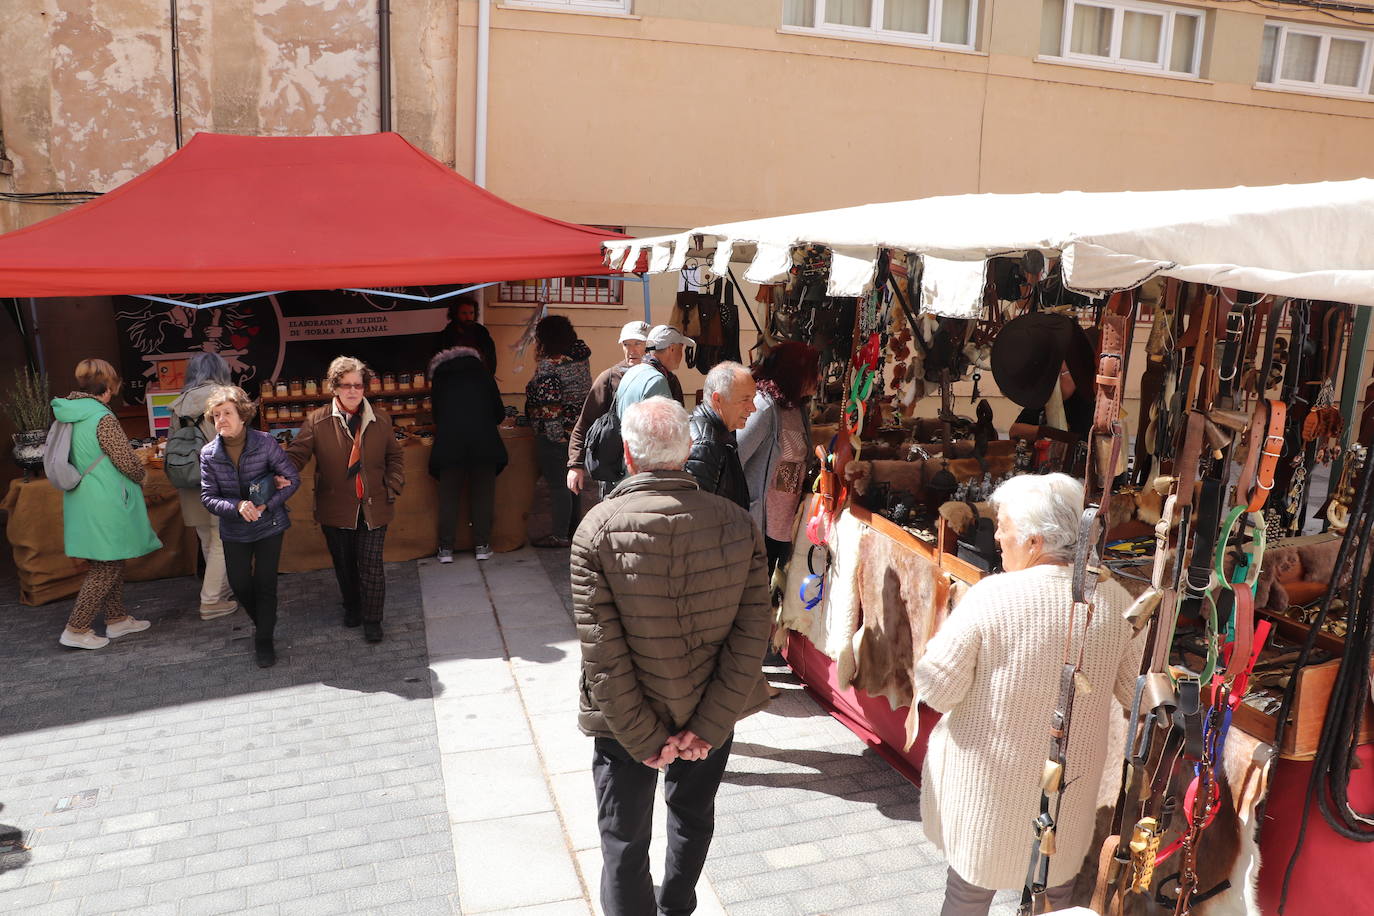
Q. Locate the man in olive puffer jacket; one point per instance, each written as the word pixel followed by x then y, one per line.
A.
pixel 670 592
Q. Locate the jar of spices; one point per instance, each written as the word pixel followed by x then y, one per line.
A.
pixel 403 381
pixel 427 403
pixel 312 388
pixel 270 412
pixel 297 388
pixel 412 404
pixel 282 390
pixel 418 379
pixel 388 382
pixel 265 389
pixel 297 412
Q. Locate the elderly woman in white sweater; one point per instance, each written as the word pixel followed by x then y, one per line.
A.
pixel 993 670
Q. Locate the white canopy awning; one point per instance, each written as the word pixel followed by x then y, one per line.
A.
pixel 1312 241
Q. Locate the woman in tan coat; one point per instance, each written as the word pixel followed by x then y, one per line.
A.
pixel 993 669
pixel 359 472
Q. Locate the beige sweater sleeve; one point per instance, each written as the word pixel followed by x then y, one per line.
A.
pixel 944 674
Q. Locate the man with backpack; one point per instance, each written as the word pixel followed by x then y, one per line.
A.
pixel 600 399
pixel 189 433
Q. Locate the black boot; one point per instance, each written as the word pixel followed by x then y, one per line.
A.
pixel 266 653
pixel 372 631
pixel 352 617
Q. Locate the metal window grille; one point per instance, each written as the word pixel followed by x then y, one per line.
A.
pixel 566 291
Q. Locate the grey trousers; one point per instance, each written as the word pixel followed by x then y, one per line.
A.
pixel 964 899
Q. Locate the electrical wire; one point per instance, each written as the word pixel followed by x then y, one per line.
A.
pixel 49 198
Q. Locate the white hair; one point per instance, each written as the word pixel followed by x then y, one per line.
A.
pixel 1049 505
pixel 656 434
pixel 720 378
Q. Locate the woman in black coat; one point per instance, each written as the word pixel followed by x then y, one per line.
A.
pixel 468 452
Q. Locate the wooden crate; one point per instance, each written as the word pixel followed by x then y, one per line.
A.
pixel 1315 683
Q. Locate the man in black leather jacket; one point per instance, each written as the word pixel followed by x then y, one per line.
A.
pixel 727 402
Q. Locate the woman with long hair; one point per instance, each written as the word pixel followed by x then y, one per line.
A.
pixel 104 520
pixel 553 401
pixel 204 373
pixel 775 444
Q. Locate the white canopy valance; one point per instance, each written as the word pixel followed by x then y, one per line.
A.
pixel 1312 241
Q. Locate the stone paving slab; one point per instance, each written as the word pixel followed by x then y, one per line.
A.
pixel 198 783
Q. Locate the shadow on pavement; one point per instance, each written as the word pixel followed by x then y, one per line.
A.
pixel 183 659
pixel 894 798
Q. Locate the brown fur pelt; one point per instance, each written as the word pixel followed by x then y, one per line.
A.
pixel 963 516
pixel 903 598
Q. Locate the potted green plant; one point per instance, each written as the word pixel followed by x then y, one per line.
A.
pixel 28 405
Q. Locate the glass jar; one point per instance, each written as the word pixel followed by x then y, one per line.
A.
pixel 427 403
pixel 412 404
pixel 312 388
pixel 388 382
pixel 297 388
pixel 265 389
pixel 418 379
pixel 403 381
pixel 270 413
pixel 282 390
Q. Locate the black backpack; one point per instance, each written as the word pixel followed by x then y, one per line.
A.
pixel 605 448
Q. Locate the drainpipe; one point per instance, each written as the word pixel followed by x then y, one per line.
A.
pixel 384 59
pixel 479 151
pixel 176 74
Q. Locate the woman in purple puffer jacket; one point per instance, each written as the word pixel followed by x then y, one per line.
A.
pixel 238 472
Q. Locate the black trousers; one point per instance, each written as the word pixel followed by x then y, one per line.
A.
pixel 357 555
pixel 625 812
pixel 252 571
pixel 778 552
pixel 563 503
pixel 480 481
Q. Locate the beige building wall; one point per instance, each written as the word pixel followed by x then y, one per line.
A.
pixel 682 113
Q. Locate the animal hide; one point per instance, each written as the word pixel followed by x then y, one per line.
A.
pixel 903 599
pixel 831 624
pixel 1227 851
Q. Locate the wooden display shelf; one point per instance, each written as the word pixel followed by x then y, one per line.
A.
pixel 323 397
pixel 289 424
pixel 960 569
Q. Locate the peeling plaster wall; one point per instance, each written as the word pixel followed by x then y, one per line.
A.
pixel 86 96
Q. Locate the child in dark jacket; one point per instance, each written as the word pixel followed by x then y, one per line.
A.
pixel 237 484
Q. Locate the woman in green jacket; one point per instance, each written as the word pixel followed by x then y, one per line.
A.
pixel 104 520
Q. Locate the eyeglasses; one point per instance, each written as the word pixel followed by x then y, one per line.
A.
pixel 352 386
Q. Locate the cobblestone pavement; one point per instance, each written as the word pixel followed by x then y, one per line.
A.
pixel 167 774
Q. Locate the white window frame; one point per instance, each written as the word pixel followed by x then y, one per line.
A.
pixel 929 39
pixel 1325 33
pixel 1114 60
pixel 609 7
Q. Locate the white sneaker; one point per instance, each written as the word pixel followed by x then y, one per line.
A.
pixel 127 625
pixel 82 640
pixel 445 555
pixel 483 551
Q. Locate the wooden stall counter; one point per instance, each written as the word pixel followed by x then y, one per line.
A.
pixel 46 573
pixel 413 532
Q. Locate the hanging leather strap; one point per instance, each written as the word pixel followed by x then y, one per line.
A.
pixel 1263 449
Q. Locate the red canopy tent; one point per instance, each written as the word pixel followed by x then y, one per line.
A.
pixel 240 214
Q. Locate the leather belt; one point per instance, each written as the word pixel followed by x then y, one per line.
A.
pixel 1264 448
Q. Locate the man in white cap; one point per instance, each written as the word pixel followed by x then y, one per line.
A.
pixel 599 400
pixel 654 376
